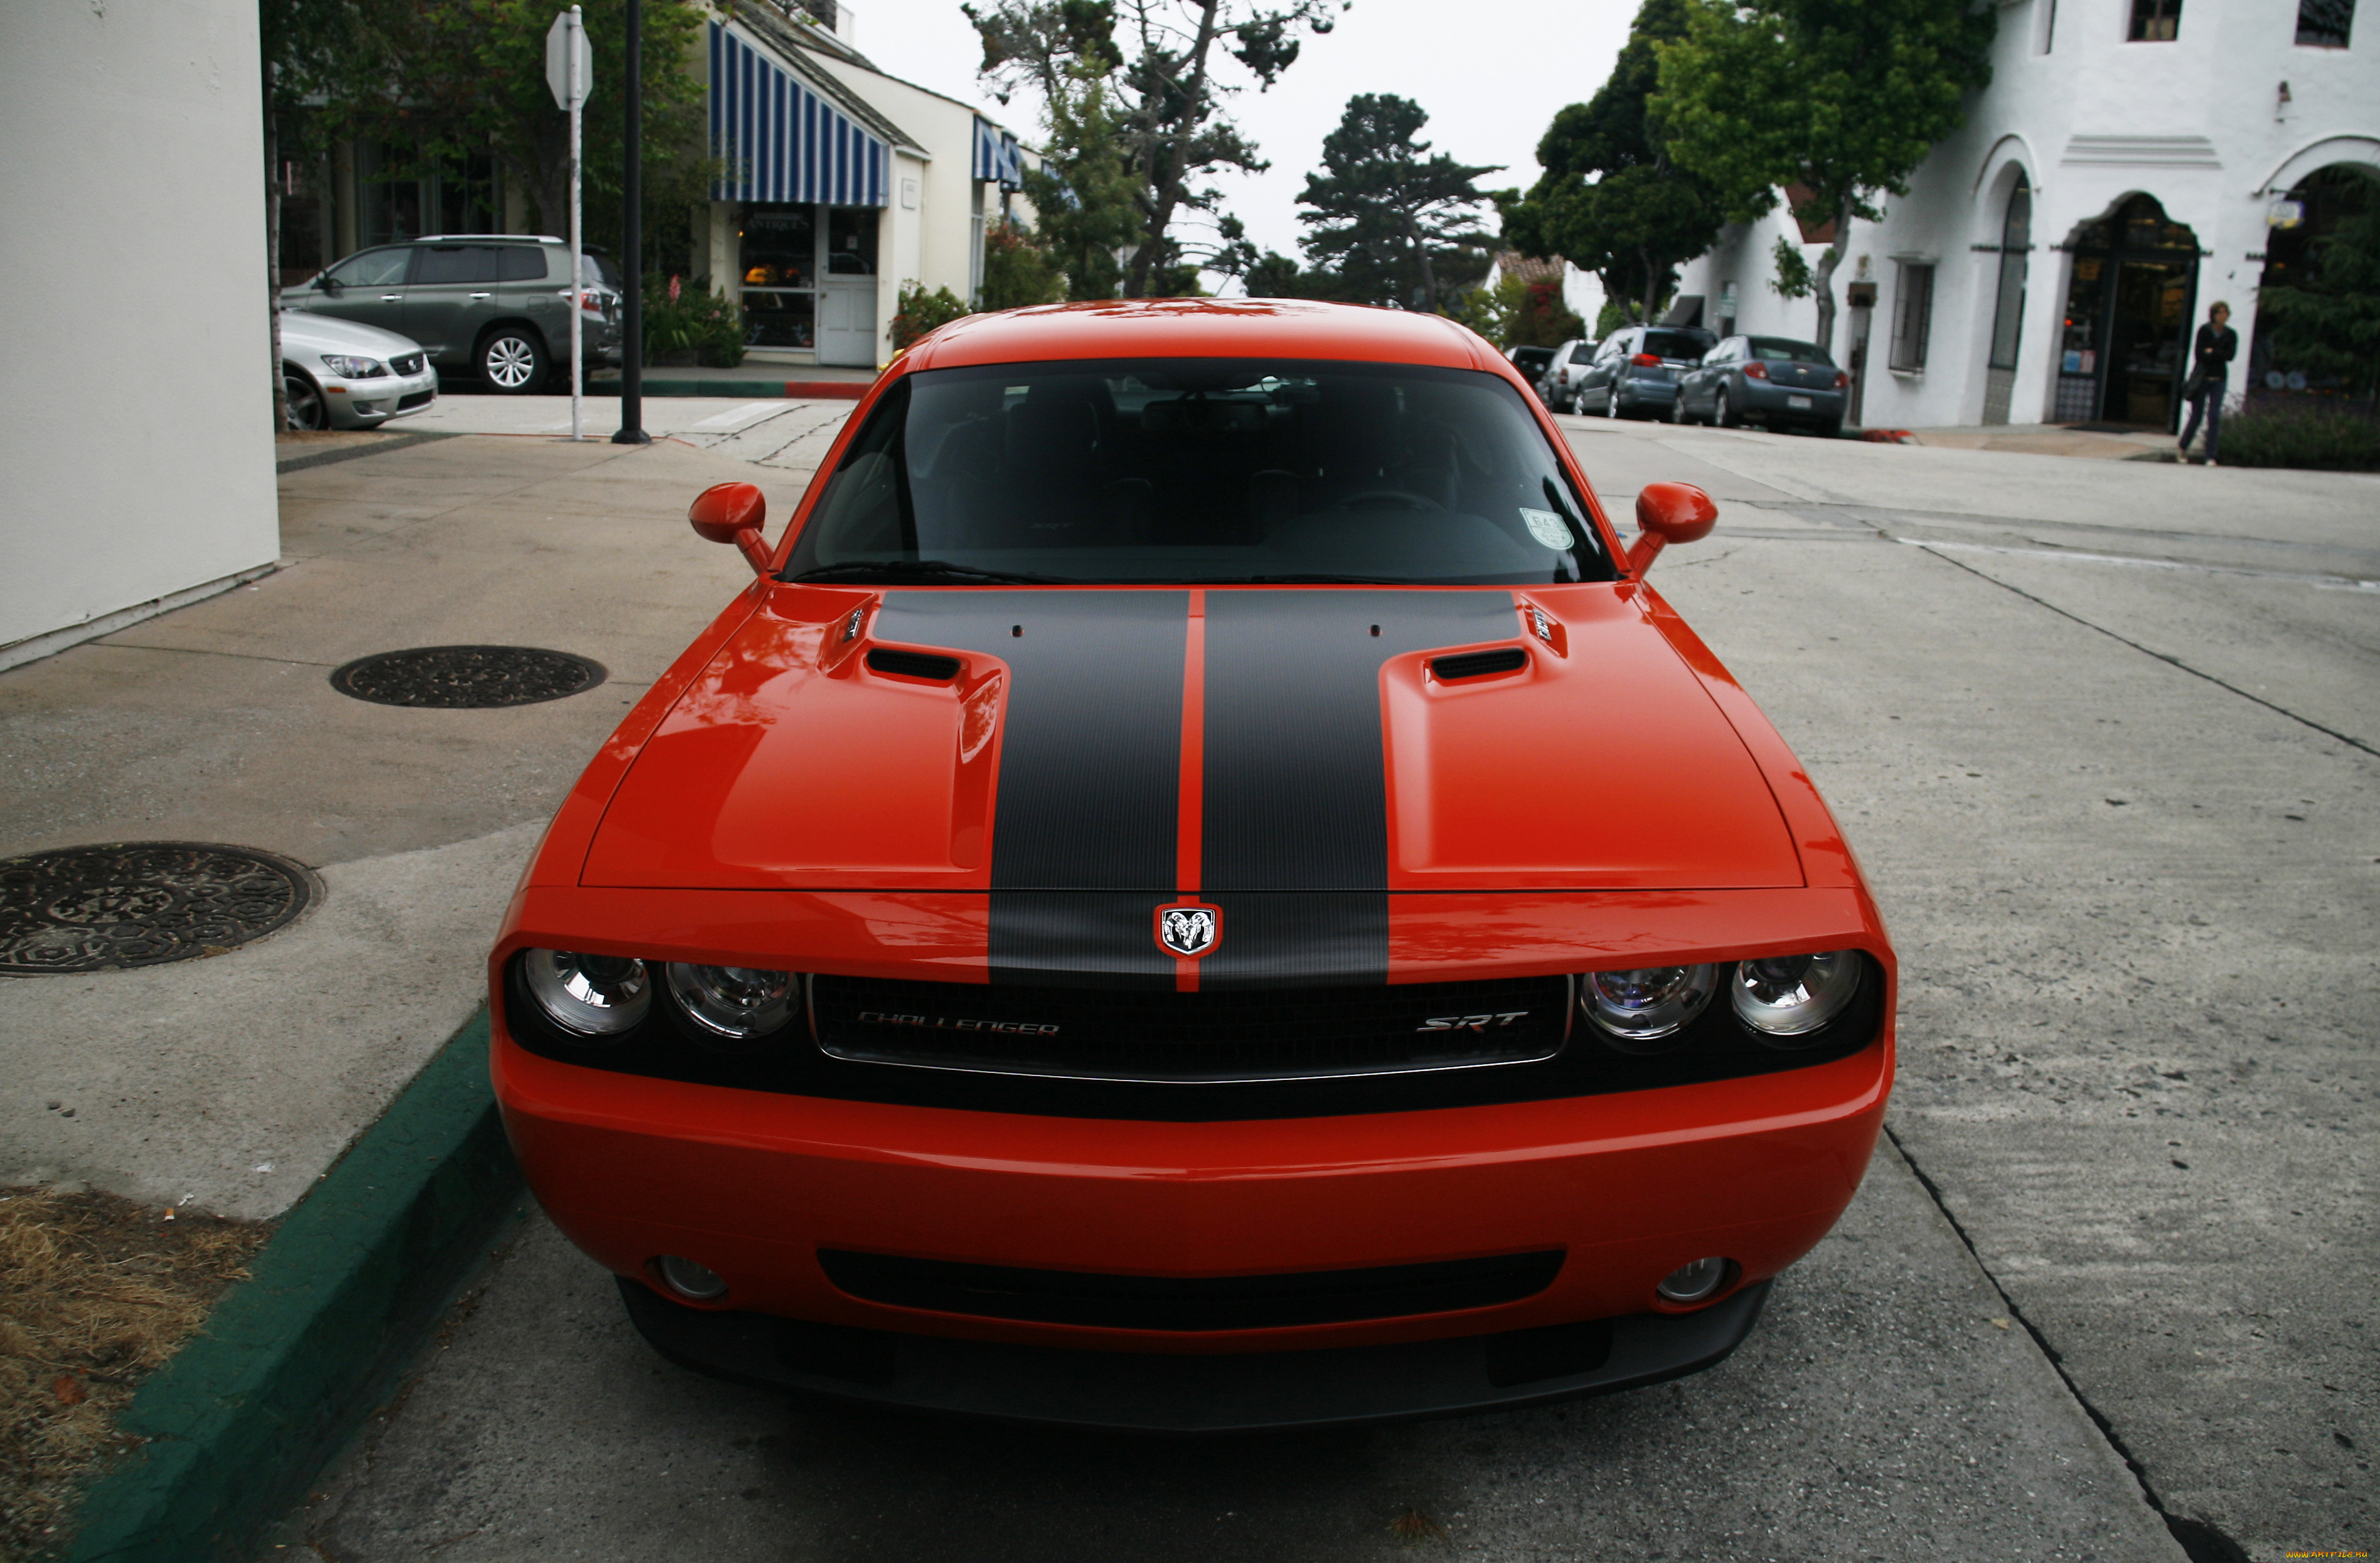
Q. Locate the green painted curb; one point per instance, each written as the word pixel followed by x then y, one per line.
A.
pixel 243 1416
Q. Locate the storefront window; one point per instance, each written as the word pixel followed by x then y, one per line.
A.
pixel 2155 21
pixel 405 194
pixel 850 241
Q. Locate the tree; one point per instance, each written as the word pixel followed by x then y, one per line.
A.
pixel 1164 114
pixel 2330 324
pixel 1612 201
pixel 1387 216
pixel 305 47
pixel 1520 312
pixel 1841 97
pixel 1084 189
pixel 465 75
pixel 1017 271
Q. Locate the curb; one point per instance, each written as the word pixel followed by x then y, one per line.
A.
pixel 246 1414
pixel 349 453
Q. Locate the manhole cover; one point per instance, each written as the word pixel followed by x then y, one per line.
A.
pixel 467 677
pixel 141 904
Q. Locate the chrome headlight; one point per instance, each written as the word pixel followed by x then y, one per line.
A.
pixel 733 1003
pixel 354 368
pixel 589 996
pixel 1647 1004
pixel 1792 996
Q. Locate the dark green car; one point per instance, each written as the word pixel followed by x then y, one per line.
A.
pixel 497 305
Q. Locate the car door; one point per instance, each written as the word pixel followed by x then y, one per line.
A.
pixel 368 288
pixel 526 288
pixel 450 296
pixel 1597 382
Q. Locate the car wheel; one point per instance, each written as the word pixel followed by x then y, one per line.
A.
pixel 1720 414
pixel 512 362
pixel 1611 401
pixel 307 408
pixel 1678 407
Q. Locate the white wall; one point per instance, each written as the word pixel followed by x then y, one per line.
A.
pixel 2089 118
pixel 135 374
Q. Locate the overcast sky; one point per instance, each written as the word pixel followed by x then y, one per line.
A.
pixel 1489 72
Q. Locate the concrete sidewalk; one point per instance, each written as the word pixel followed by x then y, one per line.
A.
pixel 233 1081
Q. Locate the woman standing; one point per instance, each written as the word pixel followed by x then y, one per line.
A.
pixel 2203 391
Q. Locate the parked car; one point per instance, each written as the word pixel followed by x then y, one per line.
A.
pixel 1635 369
pixel 1197 890
pixel 1571 361
pixel 493 305
pixel 342 375
pixel 1532 363
pixel 1772 380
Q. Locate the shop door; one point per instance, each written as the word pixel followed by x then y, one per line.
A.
pixel 2129 302
pixel 2149 318
pixel 846 327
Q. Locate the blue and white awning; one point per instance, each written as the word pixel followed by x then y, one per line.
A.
pixel 997 155
pixel 781 140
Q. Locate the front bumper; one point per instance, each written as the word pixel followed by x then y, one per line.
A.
pixel 1145 1392
pixel 368 404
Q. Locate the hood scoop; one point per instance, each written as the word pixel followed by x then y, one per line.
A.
pixel 1478 664
pixel 913 664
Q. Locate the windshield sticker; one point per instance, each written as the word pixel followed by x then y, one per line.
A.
pixel 1546 527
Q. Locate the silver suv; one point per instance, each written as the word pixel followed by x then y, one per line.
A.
pixel 497 305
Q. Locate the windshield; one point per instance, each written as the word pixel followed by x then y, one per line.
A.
pixel 1201 470
pixel 1676 344
pixel 1783 350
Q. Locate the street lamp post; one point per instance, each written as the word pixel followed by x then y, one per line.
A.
pixel 632 241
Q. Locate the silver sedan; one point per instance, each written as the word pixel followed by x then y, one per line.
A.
pixel 341 374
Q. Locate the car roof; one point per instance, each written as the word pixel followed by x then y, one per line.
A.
pixel 451 238
pixel 1204 328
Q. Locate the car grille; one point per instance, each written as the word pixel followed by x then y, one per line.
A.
pixel 409 363
pixel 1270 1034
pixel 416 399
pixel 1196 1303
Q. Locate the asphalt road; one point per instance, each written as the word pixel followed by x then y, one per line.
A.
pixel 2105 736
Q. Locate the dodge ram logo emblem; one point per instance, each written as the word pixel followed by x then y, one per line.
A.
pixel 1188 928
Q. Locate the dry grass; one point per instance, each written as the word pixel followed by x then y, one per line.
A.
pixel 1414 1526
pixel 95 1292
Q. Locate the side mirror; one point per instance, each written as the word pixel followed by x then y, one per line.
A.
pixel 1665 513
pixel 328 283
pixel 731 513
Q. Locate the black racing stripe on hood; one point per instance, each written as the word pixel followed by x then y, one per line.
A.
pixel 1295 783
pixel 1090 769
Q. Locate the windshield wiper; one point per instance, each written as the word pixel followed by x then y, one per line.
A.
pixel 1306 577
pixel 918 570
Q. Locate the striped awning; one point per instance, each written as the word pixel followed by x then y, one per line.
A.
pixel 997 155
pixel 783 140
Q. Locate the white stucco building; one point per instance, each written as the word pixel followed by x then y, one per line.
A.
pixel 136 438
pixel 845 183
pixel 2124 170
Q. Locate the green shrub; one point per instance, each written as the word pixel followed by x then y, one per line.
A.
pixel 919 312
pixel 1016 271
pixel 678 318
pixel 2326 435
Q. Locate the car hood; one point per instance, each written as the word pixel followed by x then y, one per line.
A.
pixel 1125 741
pixel 328 333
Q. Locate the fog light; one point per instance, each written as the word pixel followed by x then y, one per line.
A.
pixel 698 1283
pixel 1687 1283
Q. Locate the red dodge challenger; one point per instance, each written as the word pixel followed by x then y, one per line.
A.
pixel 1197 890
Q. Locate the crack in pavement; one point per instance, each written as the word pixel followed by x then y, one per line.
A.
pixel 2199 1539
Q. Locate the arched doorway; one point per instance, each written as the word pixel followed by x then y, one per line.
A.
pixel 2129 302
pixel 2008 308
pixel 2289 361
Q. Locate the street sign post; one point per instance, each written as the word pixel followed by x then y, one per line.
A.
pixel 570 72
